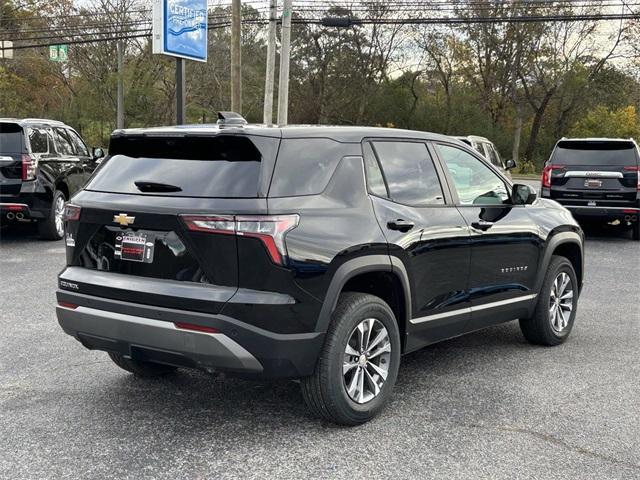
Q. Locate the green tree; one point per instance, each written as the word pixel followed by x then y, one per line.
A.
pixel 602 122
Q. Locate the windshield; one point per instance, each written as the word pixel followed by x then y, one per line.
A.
pixel 580 152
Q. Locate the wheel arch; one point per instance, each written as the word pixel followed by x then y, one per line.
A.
pixel 568 245
pixel 63 187
pixel 379 275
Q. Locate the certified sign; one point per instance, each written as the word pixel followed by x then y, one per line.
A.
pixel 180 28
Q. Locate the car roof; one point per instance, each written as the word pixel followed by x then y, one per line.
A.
pixel 595 139
pixel 33 121
pixel 345 134
pixel 477 138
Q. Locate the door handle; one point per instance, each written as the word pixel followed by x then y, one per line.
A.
pixel 482 225
pixel 401 225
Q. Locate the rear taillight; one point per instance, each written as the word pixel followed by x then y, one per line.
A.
pixel 634 169
pixel 269 229
pixel 29 166
pixel 547 172
pixel 71 212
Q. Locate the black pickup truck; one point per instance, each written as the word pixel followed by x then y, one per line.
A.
pixel 42 164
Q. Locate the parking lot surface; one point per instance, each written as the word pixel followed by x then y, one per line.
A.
pixel 486 405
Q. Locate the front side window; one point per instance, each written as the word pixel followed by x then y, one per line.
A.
pixel 78 145
pixel 410 173
pixel 63 143
pixel 475 182
pixel 492 155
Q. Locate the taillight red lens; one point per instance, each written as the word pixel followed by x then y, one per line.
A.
pixel 29 166
pixel 211 224
pixel 634 169
pixel 269 229
pixel 547 172
pixel 71 213
pixel 195 328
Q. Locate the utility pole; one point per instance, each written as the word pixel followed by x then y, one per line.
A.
pixel 271 64
pixel 120 92
pixel 285 54
pixel 180 90
pixel 236 61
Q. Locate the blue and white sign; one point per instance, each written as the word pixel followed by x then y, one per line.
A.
pixel 180 28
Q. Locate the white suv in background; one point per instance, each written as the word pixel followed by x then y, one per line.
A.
pixel 488 150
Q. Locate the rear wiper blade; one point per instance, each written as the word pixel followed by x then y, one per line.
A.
pixel 156 187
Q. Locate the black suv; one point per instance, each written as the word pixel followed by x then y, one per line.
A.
pixel 42 163
pixel 318 253
pixel 598 179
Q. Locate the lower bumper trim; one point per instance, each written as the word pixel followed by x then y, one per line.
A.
pixel 106 330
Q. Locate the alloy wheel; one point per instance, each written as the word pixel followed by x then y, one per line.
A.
pixel 561 302
pixel 366 360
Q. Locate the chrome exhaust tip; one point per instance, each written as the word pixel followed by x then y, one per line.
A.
pixel 627 218
pixel 20 216
pixel 634 218
pixel 11 216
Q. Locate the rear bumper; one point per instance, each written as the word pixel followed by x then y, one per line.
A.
pixel 611 213
pixel 149 333
pixel 26 204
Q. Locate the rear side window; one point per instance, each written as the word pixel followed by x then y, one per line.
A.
pixel 38 140
pixel 11 138
pixel 223 167
pixel 305 166
pixel 410 173
pixel 375 180
pixel 594 153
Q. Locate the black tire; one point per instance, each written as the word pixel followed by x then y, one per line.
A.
pixel 325 392
pixel 47 227
pixel 635 230
pixel 539 329
pixel 139 368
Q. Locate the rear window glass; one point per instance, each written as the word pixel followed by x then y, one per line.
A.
pixel 11 138
pixel 594 153
pixel 224 167
pixel 305 165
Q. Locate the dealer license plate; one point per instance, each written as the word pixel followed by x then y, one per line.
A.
pixel 134 247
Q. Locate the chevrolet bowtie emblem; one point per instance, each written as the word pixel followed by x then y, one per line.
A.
pixel 123 219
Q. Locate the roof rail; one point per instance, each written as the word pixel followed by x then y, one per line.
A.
pixel 230 119
pixel 42 120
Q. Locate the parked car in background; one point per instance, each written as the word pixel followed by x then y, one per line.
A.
pixel 597 179
pixel 318 253
pixel 42 164
pixel 488 150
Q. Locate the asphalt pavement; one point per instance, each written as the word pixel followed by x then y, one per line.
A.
pixel 483 406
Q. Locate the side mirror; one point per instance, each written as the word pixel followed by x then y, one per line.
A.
pixel 523 194
pixel 509 164
pixel 98 153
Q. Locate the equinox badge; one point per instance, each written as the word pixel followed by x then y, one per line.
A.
pixel 123 219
